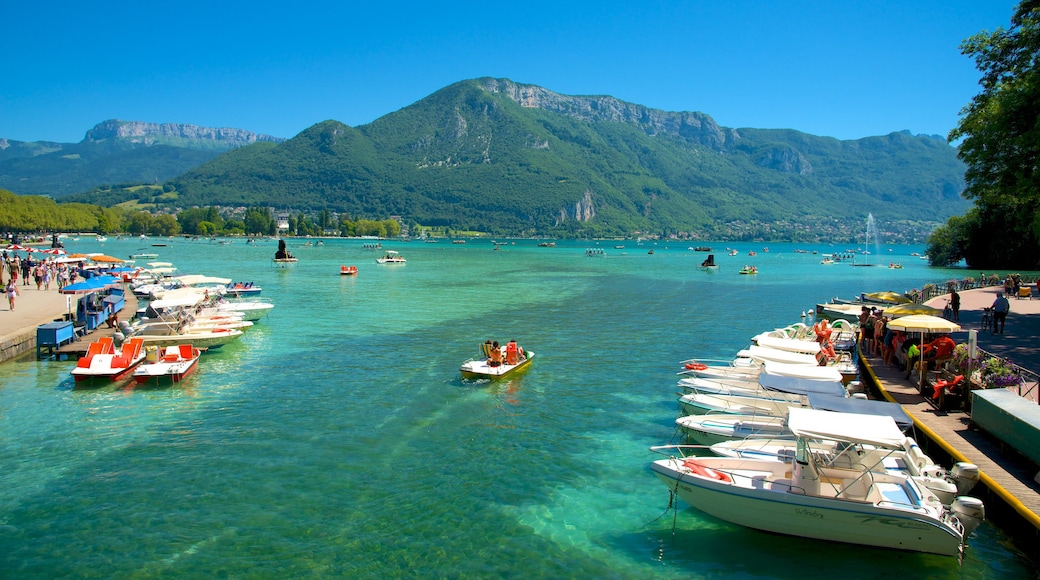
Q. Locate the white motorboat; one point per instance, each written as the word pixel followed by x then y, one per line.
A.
pixel 822 496
pixel 391 257
pixel 765 386
pixel 705 404
pixel 909 459
pixel 712 429
pixel 810 347
pixel 815 373
pixel 726 387
pixel 764 354
pixel 164 335
pixel 251 310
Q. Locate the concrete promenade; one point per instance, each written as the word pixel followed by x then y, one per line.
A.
pixel 1021 339
pixel 1009 483
pixel 33 308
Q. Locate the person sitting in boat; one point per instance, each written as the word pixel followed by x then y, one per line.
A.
pixel 282 253
pixel 495 360
pixel 512 353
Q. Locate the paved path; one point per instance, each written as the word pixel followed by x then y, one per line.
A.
pixel 1021 339
pixel 31 309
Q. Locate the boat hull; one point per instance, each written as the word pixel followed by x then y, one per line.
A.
pixel 795 514
pixel 160 373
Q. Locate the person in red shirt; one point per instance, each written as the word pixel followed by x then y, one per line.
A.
pixel 940 348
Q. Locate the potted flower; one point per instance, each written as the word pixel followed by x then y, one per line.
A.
pixel 962 363
pixel 997 372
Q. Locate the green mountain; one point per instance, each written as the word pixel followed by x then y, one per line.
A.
pixel 502 157
pixel 114 152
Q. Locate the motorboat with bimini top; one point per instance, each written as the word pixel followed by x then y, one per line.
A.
pixel 909 459
pixel 167 364
pixel 391 257
pixel 497 361
pixel 104 361
pixel 825 496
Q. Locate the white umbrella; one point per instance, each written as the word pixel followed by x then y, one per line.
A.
pixel 923 323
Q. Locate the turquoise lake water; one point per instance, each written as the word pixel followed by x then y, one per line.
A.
pixel 336 438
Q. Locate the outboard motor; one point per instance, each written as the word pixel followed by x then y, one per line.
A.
pixel 970 512
pixel 965 475
pixel 855 387
pixel 943 488
pixel 118 338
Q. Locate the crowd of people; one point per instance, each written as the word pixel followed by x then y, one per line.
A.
pixel 17 271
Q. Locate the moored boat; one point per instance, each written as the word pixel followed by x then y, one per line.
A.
pixel 105 362
pixel 822 496
pixel 168 364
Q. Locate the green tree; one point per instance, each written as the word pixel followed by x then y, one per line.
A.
pixel 1001 142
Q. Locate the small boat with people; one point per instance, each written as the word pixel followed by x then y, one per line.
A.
pixel 749 270
pixel 347 270
pixel 596 252
pixel 167 364
pixel 282 257
pixel 498 361
pixel 391 257
pixel 709 263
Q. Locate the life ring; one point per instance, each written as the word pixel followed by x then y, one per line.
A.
pixel 696 366
pixel 697 468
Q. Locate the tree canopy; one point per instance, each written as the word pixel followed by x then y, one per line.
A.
pixel 1000 143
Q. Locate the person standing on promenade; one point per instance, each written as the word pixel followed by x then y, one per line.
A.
pixel 1001 306
pixel 12 292
pixel 955 304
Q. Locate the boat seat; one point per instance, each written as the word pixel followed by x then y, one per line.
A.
pixel 171 355
pixel 186 351
pixel 107 344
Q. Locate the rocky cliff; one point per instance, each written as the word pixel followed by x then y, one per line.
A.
pixel 175 134
pixel 692 126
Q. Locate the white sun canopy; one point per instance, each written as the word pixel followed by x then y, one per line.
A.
pixel 877 430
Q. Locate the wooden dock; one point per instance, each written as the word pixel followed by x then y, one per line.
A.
pixel 78 348
pixel 1007 486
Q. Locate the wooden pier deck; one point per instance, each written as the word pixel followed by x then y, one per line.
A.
pixel 1006 477
pixel 78 348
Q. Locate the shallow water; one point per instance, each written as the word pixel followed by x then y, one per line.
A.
pixel 337 438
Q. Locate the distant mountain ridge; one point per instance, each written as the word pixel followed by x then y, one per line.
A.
pixel 176 133
pixel 115 151
pixel 508 158
pixel 504 157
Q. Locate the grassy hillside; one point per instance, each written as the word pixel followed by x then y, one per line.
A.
pixel 491 155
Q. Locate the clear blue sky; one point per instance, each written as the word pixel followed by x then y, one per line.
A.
pixel 846 69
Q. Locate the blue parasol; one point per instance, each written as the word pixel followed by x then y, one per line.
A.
pixel 93 284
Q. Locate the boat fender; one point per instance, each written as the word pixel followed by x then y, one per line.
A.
pixel 697 468
pixel 696 366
